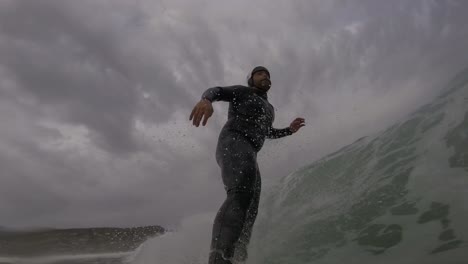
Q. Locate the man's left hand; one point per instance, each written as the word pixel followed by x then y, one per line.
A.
pixel 297 124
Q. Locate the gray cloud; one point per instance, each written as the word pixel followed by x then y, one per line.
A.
pixel 95 95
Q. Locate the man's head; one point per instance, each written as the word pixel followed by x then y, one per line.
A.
pixel 260 78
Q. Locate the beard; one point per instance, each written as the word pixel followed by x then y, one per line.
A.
pixel 264 84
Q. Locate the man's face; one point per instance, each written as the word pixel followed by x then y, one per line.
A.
pixel 261 80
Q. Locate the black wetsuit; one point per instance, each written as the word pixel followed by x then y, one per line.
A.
pixel 250 120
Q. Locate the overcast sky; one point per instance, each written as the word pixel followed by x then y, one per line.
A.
pixel 95 95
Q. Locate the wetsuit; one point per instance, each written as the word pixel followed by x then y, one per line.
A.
pixel 250 120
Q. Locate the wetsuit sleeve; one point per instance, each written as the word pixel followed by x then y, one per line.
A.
pixel 278 133
pixel 226 93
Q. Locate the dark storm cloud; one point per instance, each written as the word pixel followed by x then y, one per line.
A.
pixel 95 95
pixel 89 63
pixel 392 42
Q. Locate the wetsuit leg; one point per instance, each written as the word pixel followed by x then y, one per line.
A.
pixel 243 242
pixel 237 159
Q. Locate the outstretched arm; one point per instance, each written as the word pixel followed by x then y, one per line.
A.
pixel 203 109
pixel 278 133
pixel 227 93
pixel 293 128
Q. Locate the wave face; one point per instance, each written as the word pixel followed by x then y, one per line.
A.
pixel 398 195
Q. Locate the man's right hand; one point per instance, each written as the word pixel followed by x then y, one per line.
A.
pixel 204 110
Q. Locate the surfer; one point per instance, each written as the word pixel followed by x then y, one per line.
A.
pixel 250 120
